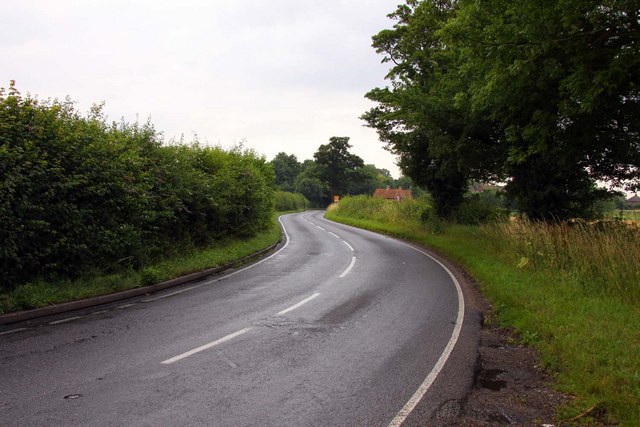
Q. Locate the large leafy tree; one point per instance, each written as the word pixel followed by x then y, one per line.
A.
pixel 339 168
pixel 420 118
pixel 543 94
pixel 562 79
pixel 287 168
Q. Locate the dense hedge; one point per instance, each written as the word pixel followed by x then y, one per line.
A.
pixel 286 201
pixel 79 194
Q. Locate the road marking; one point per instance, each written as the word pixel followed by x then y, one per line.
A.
pixel 353 261
pixel 125 306
pixel 100 312
pixel 348 245
pixel 13 331
pixel 68 319
pixel 293 307
pixel 286 236
pixel 169 295
pixel 428 381
pixel 334 235
pixel 206 346
pixel 321 228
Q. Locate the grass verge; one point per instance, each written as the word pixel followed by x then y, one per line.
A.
pixel 588 332
pixel 43 293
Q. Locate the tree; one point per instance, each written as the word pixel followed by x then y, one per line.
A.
pixel 368 178
pixel 563 81
pixel 311 186
pixel 336 166
pixel 287 168
pixel 544 95
pixel 440 146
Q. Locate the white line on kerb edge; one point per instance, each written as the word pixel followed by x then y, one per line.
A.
pixel 13 331
pixel 428 381
pixel 68 319
pixel 206 346
pixel 181 291
pixel 286 243
pixel 344 273
pixel 293 307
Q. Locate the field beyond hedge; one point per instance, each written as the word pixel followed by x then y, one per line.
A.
pixel 572 291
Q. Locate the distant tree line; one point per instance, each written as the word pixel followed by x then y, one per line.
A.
pixel 543 95
pixel 78 194
pixel 333 171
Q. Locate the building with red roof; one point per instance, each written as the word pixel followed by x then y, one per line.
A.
pixel 396 194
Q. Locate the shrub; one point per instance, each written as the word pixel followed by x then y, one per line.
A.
pixel 78 194
pixel 479 209
pixel 286 201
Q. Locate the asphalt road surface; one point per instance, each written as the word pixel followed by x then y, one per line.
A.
pixel 339 327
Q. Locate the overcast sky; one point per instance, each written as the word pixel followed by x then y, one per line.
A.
pixel 284 75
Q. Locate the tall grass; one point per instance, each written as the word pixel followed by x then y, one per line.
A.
pixel 365 207
pixel 601 257
pixel 572 291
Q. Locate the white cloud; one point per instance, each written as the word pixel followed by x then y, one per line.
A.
pixel 283 74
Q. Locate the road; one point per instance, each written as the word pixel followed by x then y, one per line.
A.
pixel 339 327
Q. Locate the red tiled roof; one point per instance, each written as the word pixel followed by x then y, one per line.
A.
pixel 393 193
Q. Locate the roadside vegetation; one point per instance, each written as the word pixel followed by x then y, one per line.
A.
pixel 40 293
pixel 286 201
pixel 82 198
pixel 572 290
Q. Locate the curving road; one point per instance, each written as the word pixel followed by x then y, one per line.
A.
pixel 339 327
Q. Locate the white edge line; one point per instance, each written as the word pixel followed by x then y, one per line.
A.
pixel 68 319
pixel 293 307
pixel 344 273
pixel 334 235
pixel 348 245
pixel 428 381
pixel 122 307
pixel 286 236
pixel 13 331
pixel 171 294
pixel 206 346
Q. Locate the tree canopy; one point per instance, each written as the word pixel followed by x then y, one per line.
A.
pixel 541 94
pixel 334 171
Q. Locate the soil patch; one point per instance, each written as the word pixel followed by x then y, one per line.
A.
pixel 510 387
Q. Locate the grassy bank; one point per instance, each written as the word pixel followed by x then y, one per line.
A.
pixel 40 293
pixel 571 291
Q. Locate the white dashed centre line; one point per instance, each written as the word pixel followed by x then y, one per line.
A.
pixel 334 235
pixel 348 245
pixel 353 261
pixel 206 346
pixel 293 307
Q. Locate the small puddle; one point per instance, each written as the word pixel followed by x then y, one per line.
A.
pixel 73 396
pixel 487 379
